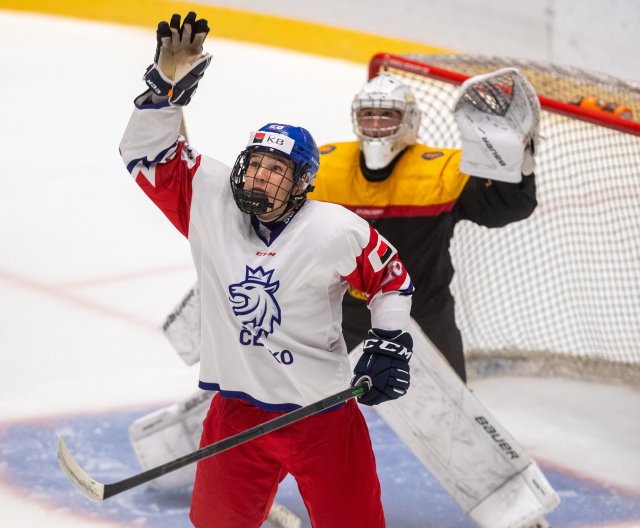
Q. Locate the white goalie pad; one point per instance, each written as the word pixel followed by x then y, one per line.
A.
pixel 498 114
pixel 169 433
pixel 182 327
pixel 474 458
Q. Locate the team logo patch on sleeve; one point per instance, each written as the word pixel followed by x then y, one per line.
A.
pixel 381 255
pixel 327 149
pixel 384 252
pixel 431 155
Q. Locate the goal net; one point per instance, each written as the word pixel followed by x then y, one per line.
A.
pixel 558 293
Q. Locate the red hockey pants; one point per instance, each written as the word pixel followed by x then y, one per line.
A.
pixel 328 454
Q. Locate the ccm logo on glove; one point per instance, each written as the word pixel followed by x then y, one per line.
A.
pixel 385 359
pixel 382 345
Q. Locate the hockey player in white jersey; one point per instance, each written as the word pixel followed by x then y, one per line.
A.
pixel 495 488
pixel 272 270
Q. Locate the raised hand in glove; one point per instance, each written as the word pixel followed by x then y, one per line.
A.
pixel 180 61
pixel 386 361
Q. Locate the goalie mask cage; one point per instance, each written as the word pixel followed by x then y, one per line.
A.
pixel 559 292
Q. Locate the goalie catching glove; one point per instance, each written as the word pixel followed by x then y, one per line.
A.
pixel 498 115
pixel 385 359
pixel 180 62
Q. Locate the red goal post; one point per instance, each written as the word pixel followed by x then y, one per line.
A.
pixel 477 64
pixel 558 293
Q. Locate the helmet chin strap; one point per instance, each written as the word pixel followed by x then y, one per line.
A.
pixel 294 203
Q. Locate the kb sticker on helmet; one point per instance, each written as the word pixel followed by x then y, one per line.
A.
pixel 271 139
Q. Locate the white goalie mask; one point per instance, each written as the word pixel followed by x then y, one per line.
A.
pixel 385 119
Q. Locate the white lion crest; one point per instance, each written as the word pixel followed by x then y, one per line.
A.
pixel 254 301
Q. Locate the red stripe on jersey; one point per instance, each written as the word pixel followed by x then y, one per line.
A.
pixel 393 211
pixel 392 277
pixel 172 190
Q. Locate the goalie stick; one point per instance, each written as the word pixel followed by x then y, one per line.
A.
pixel 97 491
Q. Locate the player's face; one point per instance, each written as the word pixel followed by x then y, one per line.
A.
pixel 272 176
pixel 379 122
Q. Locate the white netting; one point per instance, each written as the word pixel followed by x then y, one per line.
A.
pixel 560 290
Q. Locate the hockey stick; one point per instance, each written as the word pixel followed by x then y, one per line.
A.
pixel 96 491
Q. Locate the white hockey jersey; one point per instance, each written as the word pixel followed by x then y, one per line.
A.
pixel 271 300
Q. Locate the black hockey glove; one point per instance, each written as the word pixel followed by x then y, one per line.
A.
pixel 386 361
pixel 180 61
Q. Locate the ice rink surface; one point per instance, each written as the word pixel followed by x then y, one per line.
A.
pixel 89 269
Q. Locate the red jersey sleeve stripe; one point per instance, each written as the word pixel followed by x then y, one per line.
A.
pixel 172 191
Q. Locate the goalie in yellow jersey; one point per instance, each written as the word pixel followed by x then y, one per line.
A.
pixel 415 194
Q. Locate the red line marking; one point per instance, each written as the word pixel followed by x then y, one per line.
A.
pixel 59 294
pixel 133 275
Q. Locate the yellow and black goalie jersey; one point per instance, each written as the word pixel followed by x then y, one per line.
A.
pixel 416 208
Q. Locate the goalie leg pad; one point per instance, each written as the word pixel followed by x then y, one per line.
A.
pixel 182 326
pixel 521 501
pixel 471 454
pixel 169 433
